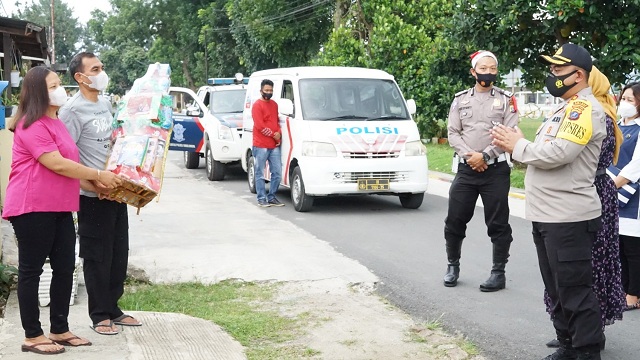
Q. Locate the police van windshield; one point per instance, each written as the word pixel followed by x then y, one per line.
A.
pixel 227 101
pixel 351 99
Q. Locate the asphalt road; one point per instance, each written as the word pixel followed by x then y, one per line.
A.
pixel 405 249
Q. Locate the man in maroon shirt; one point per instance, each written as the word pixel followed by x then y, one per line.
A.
pixel 266 144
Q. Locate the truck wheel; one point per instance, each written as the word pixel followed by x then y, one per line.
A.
pixel 191 160
pixel 251 174
pixel 301 201
pixel 215 169
pixel 411 201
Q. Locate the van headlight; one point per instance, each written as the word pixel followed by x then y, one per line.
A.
pixel 319 149
pixel 415 148
pixel 224 133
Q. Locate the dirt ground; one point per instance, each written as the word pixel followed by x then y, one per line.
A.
pixel 352 322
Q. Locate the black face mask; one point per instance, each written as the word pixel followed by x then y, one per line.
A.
pixel 266 96
pixel 486 80
pixel 555 84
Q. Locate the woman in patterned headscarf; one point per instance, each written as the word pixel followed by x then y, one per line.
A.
pixel 607 283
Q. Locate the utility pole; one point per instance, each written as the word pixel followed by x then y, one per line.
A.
pixel 206 58
pixel 53 36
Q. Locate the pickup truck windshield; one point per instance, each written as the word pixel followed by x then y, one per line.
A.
pixel 227 101
pixel 351 100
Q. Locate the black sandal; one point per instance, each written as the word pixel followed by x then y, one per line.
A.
pixel 109 325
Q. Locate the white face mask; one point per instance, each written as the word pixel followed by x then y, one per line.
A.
pixel 98 82
pixel 58 97
pixel 627 110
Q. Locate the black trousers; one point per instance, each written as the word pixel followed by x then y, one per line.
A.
pixel 564 256
pixel 103 226
pixel 493 187
pixel 630 259
pixel 41 235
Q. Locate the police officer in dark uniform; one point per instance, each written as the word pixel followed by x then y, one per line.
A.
pixel 482 168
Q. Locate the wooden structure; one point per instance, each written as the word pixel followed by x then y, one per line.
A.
pixel 21 38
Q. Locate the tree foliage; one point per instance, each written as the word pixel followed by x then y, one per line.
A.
pixel 409 40
pixel 67 28
pixel 425 44
pixel 518 31
pixel 278 33
pixel 222 50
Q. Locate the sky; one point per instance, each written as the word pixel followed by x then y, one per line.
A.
pixel 81 8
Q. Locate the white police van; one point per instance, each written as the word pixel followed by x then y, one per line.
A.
pixel 209 124
pixel 345 131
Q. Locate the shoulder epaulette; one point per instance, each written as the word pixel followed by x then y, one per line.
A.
pixel 462 92
pixel 504 92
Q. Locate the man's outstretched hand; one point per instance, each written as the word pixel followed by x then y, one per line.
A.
pixel 505 137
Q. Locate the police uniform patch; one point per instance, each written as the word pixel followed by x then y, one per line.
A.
pixel 576 125
pixel 513 105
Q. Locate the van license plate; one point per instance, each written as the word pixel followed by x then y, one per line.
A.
pixel 373 184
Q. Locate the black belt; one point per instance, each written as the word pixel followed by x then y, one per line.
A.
pixel 601 172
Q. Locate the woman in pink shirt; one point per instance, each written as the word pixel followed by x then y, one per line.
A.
pixel 43 191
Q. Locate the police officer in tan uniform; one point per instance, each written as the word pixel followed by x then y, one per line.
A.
pixel 482 168
pixel 562 201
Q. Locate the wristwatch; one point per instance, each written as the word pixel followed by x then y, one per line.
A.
pixel 485 157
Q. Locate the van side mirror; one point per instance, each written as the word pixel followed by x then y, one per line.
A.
pixel 285 107
pixel 411 105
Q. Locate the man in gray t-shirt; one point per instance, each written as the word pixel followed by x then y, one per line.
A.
pixel 89 124
pixel 103 225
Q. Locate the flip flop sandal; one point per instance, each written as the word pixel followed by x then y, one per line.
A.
pixel 67 341
pixel 118 321
pixel 34 349
pixel 109 324
pixel 633 306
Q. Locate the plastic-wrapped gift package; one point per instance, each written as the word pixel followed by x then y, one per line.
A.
pixel 140 139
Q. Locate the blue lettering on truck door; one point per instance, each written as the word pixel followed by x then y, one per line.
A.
pixel 385 130
pixel 188 133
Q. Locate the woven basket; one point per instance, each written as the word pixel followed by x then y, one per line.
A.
pixel 132 194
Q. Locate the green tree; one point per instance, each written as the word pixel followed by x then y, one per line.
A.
pixel 67 29
pixel 223 58
pixel 121 42
pixel 409 40
pixel 139 32
pixel 177 41
pixel 278 33
pixel 518 31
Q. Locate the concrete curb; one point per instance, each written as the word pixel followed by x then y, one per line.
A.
pixel 515 192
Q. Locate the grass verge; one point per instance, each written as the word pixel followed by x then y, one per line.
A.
pixel 440 156
pixel 235 306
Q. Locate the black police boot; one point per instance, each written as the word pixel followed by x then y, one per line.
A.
pixel 564 352
pixel 453 272
pixel 497 280
pixel 553 343
pixel 589 355
pixel 590 352
pixel 454 250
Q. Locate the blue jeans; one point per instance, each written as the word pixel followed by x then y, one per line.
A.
pixel 262 155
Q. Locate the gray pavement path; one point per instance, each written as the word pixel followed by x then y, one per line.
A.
pixel 228 238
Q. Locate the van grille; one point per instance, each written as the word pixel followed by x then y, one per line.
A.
pixel 371 155
pixel 352 177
